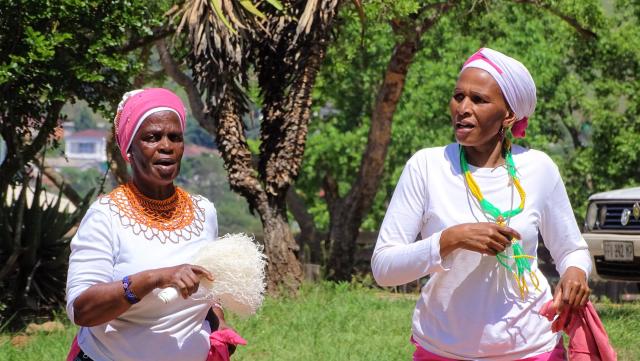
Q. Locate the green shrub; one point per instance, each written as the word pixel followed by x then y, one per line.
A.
pixel 34 251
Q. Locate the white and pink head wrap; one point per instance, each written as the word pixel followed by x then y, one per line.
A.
pixel 514 80
pixel 138 105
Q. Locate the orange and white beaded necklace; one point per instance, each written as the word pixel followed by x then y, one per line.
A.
pixel 173 219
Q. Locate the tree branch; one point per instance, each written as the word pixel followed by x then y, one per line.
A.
pixel 237 157
pixel 59 182
pixel 331 190
pixel 117 164
pixel 45 131
pixel 308 231
pixel 587 33
pixel 365 186
pixel 158 33
pixel 284 128
pixel 195 101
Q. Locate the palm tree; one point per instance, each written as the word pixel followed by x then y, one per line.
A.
pixel 282 44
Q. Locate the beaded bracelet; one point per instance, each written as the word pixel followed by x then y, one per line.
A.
pixel 128 293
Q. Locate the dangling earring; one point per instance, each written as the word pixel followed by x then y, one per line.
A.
pixel 501 133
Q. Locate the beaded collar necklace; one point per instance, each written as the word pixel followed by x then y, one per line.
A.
pixel 519 260
pixel 179 217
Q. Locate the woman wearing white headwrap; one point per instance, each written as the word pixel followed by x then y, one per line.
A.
pixel 476 208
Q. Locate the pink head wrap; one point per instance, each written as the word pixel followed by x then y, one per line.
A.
pixel 514 80
pixel 139 104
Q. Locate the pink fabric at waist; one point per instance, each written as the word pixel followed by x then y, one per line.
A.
pixel 557 354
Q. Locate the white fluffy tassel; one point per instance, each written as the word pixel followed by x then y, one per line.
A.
pixel 238 265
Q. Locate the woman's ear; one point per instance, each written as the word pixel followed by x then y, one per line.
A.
pixel 509 120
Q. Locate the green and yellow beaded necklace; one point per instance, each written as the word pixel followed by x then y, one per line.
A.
pixel 520 264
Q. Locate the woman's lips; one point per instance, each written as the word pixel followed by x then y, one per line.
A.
pixel 463 129
pixel 165 161
pixel 165 165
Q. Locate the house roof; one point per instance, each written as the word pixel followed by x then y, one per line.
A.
pixel 89 133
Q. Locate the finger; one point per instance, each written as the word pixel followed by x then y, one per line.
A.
pixel 192 282
pixel 585 298
pixel 497 246
pixel 509 232
pixel 182 287
pixel 503 238
pixel 582 296
pixel 487 249
pixel 572 294
pixel 557 298
pixel 201 271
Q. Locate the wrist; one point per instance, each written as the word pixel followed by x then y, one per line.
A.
pixel 218 311
pixel 152 278
pixel 447 245
pixel 127 287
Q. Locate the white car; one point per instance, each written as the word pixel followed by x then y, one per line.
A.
pixel 612 230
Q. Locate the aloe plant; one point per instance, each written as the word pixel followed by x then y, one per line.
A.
pixel 34 251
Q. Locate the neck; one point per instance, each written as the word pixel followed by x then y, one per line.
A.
pixel 158 192
pixel 486 156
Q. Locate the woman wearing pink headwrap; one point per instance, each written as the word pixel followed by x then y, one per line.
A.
pixel 468 215
pixel 137 240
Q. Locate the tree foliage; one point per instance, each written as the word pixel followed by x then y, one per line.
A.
pixel 53 52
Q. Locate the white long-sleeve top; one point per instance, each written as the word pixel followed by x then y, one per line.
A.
pixel 109 246
pixel 471 308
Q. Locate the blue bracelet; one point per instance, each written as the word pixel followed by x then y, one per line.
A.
pixel 128 293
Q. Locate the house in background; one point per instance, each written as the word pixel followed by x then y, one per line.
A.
pixel 86 148
pixel 90 144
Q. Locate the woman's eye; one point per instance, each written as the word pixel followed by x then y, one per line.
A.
pixel 478 100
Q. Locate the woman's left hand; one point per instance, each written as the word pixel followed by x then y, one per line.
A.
pixel 222 325
pixel 572 290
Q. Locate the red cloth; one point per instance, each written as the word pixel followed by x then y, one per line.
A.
pixel 74 350
pixel 588 338
pixel 219 350
pixel 220 340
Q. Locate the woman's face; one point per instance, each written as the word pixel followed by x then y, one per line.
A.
pixel 156 150
pixel 478 108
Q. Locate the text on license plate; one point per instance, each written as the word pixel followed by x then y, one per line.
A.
pixel 618 251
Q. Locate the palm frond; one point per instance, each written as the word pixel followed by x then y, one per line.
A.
pixel 248 5
pixel 276 4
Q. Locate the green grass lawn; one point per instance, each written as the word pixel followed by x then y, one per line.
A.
pixel 332 322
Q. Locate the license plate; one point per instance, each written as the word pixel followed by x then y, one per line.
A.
pixel 618 251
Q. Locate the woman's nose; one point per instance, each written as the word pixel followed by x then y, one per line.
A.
pixel 463 107
pixel 165 144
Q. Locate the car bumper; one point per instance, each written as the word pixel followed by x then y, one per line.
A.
pixel 614 270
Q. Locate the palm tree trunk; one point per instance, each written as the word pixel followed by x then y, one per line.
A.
pixel 280 247
pixel 283 268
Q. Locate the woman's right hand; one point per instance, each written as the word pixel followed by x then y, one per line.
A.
pixel 486 238
pixel 185 278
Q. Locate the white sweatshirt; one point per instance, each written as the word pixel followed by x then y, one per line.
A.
pixel 108 247
pixel 471 306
